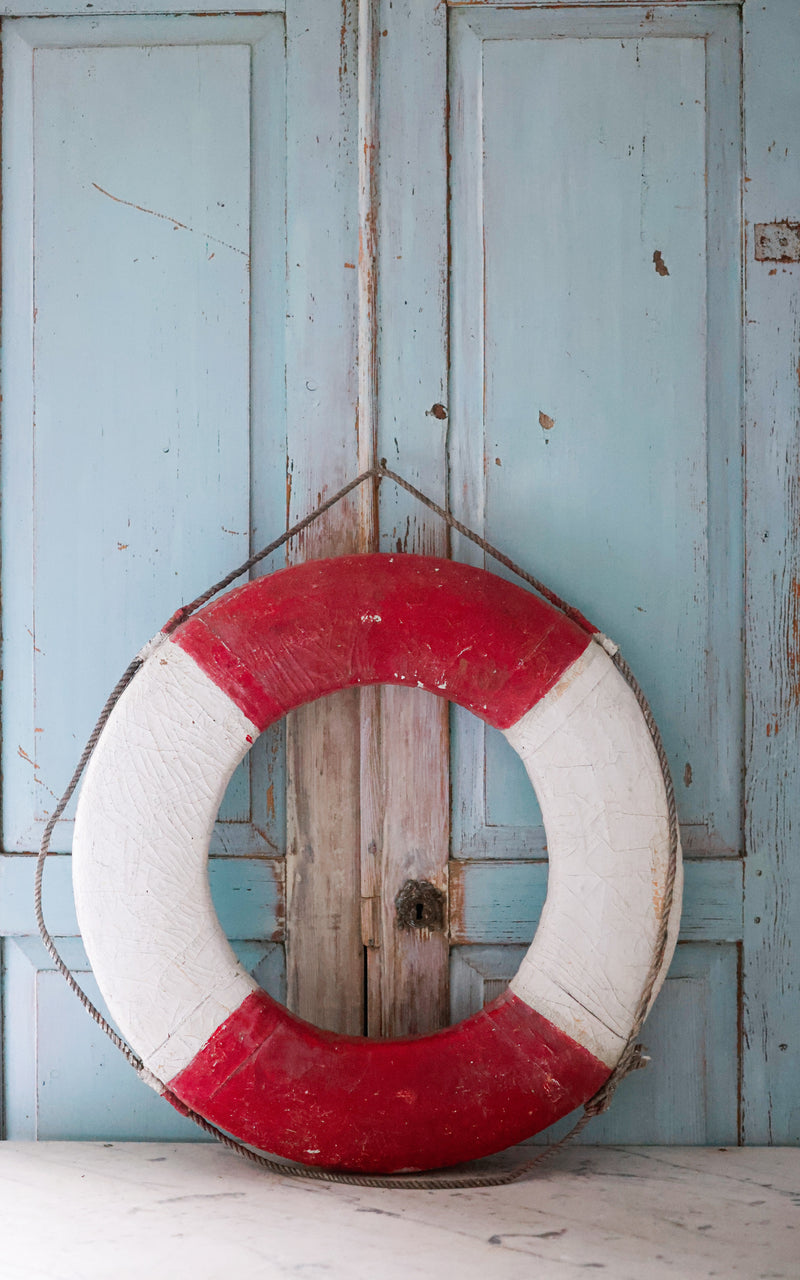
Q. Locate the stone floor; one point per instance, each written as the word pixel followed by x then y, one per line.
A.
pixel 95 1211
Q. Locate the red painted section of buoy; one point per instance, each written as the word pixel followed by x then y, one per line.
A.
pixel 455 630
pixel 382 1106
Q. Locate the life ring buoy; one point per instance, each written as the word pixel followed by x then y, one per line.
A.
pixel 212 1040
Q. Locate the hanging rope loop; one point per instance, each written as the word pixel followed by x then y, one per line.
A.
pixel 632 1058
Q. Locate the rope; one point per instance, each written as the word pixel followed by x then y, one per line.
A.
pixel 632 1057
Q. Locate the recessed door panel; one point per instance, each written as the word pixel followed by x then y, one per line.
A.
pixel 146 213
pixel 595 243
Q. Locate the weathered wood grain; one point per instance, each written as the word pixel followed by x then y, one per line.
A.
pixel 409 969
pixel 371 789
pixel 325 957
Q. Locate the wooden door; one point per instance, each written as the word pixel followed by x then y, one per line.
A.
pixel 505 248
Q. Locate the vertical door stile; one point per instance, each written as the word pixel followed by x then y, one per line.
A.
pixel 367 802
pixel 371 789
pixel 596 434
pixel 411 968
pixel 771 969
pixel 325 959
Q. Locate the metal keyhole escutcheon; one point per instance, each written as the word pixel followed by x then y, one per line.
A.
pixel 420 905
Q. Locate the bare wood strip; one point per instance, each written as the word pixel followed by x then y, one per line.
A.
pixel 412 396
pixel 324 951
pixel 371 791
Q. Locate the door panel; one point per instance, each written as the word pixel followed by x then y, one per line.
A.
pixel 596 438
pixel 606 377
pixel 128 347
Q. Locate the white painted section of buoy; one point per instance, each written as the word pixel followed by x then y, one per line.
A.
pixel 145 816
pixel 588 752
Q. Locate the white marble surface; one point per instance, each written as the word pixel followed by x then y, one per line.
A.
pixel 80 1211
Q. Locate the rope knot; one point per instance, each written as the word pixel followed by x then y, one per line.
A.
pixel 633 1059
pixel 179 616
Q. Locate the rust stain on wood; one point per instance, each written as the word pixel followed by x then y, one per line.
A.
pixel 289 469
pixel 659 263
pixel 343 42
pixel 793 642
pixel 457 903
pixel 777 241
pixel 371 921
pixel 277 869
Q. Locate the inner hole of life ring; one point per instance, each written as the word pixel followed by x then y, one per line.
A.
pixel 495 817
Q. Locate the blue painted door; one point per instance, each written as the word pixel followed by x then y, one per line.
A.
pixel 543 326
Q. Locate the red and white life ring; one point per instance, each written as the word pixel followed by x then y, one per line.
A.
pixel 209 1036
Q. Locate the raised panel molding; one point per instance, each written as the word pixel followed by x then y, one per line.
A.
pixel 63 1078
pixel 248 895
pixel 500 902
pixel 595 155
pixel 126 495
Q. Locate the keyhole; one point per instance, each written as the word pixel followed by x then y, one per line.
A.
pixel 420 905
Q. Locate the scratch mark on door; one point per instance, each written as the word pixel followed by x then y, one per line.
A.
pixel 176 223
